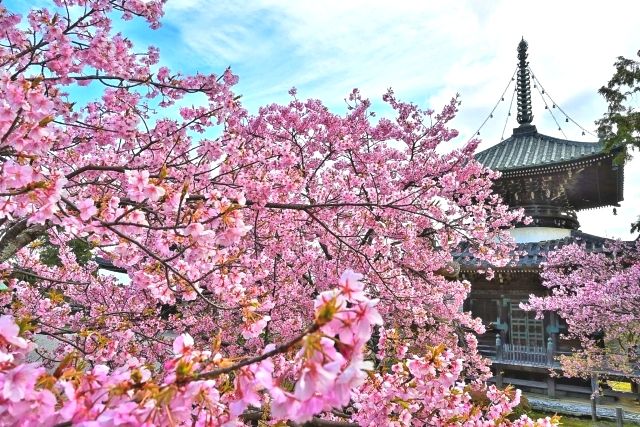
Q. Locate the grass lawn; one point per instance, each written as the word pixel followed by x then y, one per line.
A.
pixel 568 421
pixel 620 386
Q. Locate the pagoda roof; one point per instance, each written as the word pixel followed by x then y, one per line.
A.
pixel 532 150
pixel 529 154
pixel 535 253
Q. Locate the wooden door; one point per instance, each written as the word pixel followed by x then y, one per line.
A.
pixel 525 329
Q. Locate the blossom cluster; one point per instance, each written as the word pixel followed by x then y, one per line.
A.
pixel 161 208
pixel 190 389
pixel 429 390
pixel 597 294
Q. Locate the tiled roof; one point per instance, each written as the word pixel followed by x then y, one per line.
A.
pixel 535 252
pixel 534 149
pixel 105 264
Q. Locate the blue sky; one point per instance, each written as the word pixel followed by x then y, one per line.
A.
pixel 426 50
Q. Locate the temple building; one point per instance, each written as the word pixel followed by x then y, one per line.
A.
pixel 551 179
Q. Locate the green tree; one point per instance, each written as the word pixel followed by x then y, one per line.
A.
pixel 620 125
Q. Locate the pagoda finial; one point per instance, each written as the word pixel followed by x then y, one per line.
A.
pixel 525 115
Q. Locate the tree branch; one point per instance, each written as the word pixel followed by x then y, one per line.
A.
pixel 19 236
pixel 279 349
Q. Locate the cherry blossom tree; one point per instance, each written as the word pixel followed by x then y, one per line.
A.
pixel 598 295
pixel 239 236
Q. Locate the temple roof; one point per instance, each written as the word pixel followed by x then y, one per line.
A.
pixel 535 252
pixel 533 149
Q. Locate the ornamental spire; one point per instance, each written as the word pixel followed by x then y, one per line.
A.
pixel 525 115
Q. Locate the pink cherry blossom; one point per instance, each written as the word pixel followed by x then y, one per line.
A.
pixel 9 332
pixel 140 188
pixel 17 175
pixel 87 209
pixel 228 234
pixel 194 229
pixel 350 285
pixel 367 316
pixel 315 378
pixel 182 344
pixel 597 294
pixel 19 381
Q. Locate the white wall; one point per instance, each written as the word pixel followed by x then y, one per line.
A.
pixel 538 234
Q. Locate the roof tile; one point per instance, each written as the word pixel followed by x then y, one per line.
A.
pixel 536 251
pixel 531 150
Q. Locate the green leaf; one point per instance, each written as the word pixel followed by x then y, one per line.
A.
pixel 82 250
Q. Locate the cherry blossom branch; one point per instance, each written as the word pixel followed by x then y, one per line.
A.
pixel 282 348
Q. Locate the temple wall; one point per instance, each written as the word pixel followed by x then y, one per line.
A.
pixel 538 234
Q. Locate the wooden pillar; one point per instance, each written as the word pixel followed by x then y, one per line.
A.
pixel 551 381
pixel 551 387
pixel 498 347
pixel 619 418
pixel 594 384
pixel 505 319
pixel 550 351
pixel 555 324
pixel 594 393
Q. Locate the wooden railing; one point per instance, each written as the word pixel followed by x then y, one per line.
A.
pixel 524 354
pixel 544 357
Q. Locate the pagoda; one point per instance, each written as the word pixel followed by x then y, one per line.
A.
pixel 551 179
